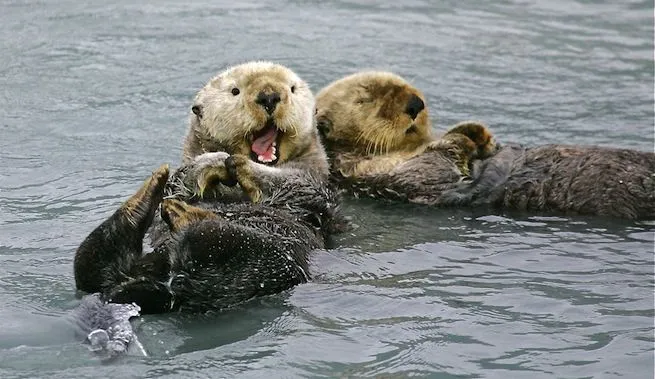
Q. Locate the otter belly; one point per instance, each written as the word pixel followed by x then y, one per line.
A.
pixel 248 251
pixel 244 252
pixel 578 179
pixel 211 255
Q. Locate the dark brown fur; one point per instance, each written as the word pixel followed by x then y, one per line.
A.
pixel 209 255
pixel 580 179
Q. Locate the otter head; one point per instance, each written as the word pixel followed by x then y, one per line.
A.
pixel 372 113
pixel 259 109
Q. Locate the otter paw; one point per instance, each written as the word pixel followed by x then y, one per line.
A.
pixel 178 214
pixel 141 207
pixel 480 135
pixel 209 170
pixel 240 167
pixel 459 148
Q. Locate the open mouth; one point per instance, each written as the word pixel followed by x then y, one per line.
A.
pixel 412 129
pixel 264 148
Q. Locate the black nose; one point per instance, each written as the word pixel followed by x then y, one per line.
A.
pixel 414 106
pixel 268 100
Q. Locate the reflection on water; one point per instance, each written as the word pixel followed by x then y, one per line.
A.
pixel 94 96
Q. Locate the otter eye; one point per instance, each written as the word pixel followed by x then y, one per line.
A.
pixel 235 91
pixel 293 89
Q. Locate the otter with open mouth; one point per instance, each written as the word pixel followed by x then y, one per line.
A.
pixel 258 109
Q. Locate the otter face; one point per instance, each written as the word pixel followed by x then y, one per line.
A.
pixel 259 109
pixel 372 113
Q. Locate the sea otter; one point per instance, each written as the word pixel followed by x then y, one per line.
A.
pixel 376 130
pixel 257 109
pixel 238 218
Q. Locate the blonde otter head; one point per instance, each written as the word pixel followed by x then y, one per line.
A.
pixel 259 109
pixel 372 113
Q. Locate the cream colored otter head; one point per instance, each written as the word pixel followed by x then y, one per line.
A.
pixel 372 113
pixel 259 109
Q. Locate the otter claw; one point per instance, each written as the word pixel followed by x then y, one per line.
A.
pixel 212 176
pixel 229 171
pixel 239 166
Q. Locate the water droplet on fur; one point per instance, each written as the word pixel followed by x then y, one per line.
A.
pixel 261 285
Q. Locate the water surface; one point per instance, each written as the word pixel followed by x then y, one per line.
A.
pixel 94 96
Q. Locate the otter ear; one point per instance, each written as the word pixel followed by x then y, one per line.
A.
pixel 324 125
pixel 197 110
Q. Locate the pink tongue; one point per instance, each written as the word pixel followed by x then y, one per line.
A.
pixel 263 144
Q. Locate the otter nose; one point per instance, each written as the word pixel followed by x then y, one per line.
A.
pixel 268 100
pixel 414 106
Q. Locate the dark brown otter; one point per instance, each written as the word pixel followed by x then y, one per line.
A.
pixel 209 255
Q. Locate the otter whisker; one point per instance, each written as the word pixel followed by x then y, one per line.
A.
pixel 295 131
pixel 371 139
pixel 358 139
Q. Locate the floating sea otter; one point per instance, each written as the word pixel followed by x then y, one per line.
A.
pixel 238 219
pixel 377 133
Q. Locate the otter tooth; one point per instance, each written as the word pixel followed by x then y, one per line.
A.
pixel 265 160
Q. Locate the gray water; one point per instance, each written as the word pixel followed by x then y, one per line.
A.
pixel 94 97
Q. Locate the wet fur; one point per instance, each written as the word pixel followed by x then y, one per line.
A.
pixel 466 167
pixel 208 255
pixel 571 179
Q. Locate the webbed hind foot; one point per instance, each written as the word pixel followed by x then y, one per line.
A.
pixel 178 215
pixel 140 209
pixel 109 251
